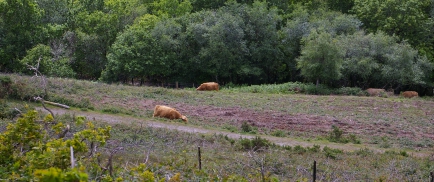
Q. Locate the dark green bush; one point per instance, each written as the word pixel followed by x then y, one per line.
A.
pixel 318 90
pixel 255 144
pixel 5 84
pixel 6 112
pixel 350 91
pixel 331 153
pixel 364 152
pixel 111 110
pixel 337 135
pixel 22 90
pixel 299 149
pixel 315 148
pixel 5 80
pixel 353 139
pixel 278 133
pixel 245 127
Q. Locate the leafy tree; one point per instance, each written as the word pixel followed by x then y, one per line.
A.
pixel 302 21
pixel 171 39
pixel 363 57
pixel 199 5
pixel 54 11
pixel 291 35
pixel 321 57
pixel 224 47
pixel 407 19
pixel 20 30
pixel 172 8
pixel 335 23
pixel 95 33
pixel 379 60
pixel 41 56
pixel 126 11
pixel 405 67
pixel 309 4
pixel 343 6
pixel 265 62
pixel 135 53
pixel 89 5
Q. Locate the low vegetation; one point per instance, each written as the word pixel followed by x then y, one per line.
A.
pixel 129 151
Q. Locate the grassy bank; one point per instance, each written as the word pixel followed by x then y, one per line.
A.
pixel 393 124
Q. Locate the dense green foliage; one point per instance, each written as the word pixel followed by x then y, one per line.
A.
pixel 31 149
pixel 240 42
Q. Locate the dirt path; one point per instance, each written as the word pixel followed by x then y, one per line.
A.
pixel 283 141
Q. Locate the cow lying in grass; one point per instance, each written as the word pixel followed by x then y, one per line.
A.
pixel 168 112
pixel 410 94
pixel 375 91
pixel 208 86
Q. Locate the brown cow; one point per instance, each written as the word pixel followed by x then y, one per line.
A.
pixel 375 91
pixel 410 94
pixel 208 86
pixel 168 112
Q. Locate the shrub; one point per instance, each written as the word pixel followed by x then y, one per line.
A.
pixel 6 112
pixel 230 128
pixel 299 149
pixel 331 153
pixel 317 90
pixel 392 152
pixel 23 90
pixel 83 103
pixel 353 139
pixel 350 91
pixel 278 133
pixel 43 156
pixel 112 110
pixel 255 144
pixel 336 135
pixel 245 127
pixel 315 148
pixel 364 152
pixel 5 82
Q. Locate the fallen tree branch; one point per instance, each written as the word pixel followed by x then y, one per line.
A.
pixel 57 104
pixel 43 105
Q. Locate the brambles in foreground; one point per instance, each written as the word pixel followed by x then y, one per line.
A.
pixel 174 153
pixel 35 149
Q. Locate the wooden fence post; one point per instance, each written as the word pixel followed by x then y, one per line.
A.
pixel 200 159
pixel 72 157
pixel 314 171
pixel 432 176
pixel 176 85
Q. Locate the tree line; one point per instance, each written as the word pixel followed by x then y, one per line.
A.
pixel 338 43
